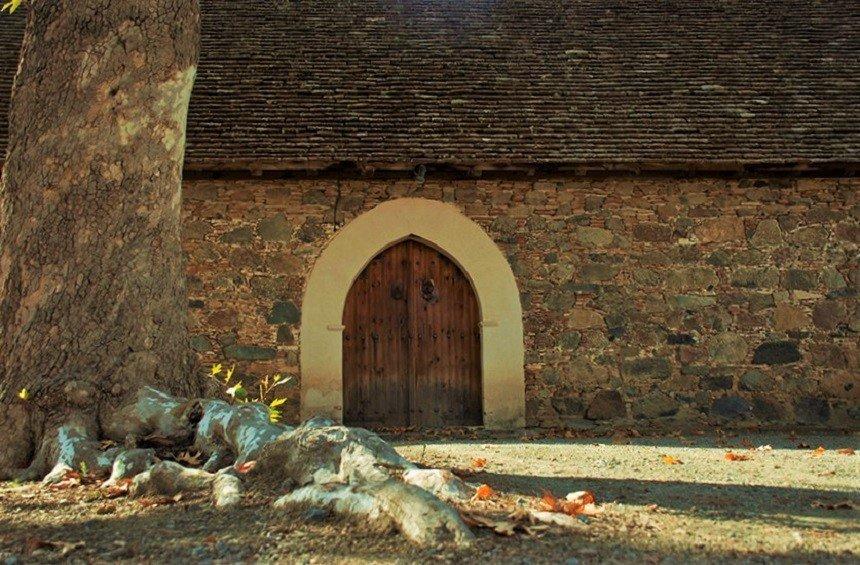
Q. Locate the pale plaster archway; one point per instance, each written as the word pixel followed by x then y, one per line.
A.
pixel 446 228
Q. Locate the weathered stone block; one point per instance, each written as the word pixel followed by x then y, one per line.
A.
pixel 717 382
pixel 787 317
pixel 285 335
pixel 776 353
pixel 767 234
pixel 653 367
pixel 755 277
pixel 200 343
pixel 606 405
pixel 275 228
pixel 799 279
pixel 726 228
pixel 598 272
pixel 652 232
pixel 728 348
pixel 250 352
pixel 766 409
pixel 732 407
pixel 829 314
pixel 681 339
pixel 584 318
pixel 690 302
pixel 571 340
pixel 691 278
pixel 655 405
pixel 283 312
pixel 242 234
pixel 594 237
pixel 757 381
pixel 811 410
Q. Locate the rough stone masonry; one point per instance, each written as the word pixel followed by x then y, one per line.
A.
pixel 648 302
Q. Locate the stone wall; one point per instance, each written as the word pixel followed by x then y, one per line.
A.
pixel 647 301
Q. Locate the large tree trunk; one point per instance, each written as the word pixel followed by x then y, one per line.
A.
pixel 92 296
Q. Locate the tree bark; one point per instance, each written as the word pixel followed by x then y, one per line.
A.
pixel 92 296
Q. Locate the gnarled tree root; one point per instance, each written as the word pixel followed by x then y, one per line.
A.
pixel 350 470
pixel 415 512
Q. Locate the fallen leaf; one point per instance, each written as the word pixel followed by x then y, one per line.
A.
pixel 484 492
pixel 845 451
pixel 119 488
pixel 670 460
pixel 818 452
pixel 732 456
pixel 830 473
pixel 71 479
pixel 246 467
pixel 479 463
pixel 190 459
pixel 34 544
pixel 764 448
pixel 576 503
pixel 652 508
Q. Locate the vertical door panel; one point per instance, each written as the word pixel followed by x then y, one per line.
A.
pixel 411 352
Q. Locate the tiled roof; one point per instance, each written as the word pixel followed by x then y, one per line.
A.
pixel 521 81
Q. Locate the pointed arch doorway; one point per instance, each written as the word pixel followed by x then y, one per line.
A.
pixel 411 342
pixel 444 228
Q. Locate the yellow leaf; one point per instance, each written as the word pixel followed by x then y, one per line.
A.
pixel 11 5
pixel 277 402
pixel 24 394
pixel 670 460
pixel 216 369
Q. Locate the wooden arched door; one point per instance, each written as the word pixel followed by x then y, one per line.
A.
pixel 411 343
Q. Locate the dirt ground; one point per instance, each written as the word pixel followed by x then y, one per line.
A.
pixel 788 504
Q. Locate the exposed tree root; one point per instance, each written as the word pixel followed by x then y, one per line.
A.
pixel 418 514
pixel 349 470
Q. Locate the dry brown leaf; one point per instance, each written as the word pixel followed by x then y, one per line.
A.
pixel 845 451
pixel 484 492
pixel 120 488
pixel 576 503
pixel 818 452
pixel 71 479
pixel 670 460
pixel 34 544
pixel 190 459
pixel 732 456
pixel 108 508
pixel 479 463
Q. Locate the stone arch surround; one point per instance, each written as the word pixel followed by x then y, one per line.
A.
pixel 443 226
